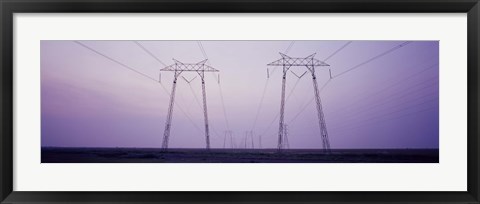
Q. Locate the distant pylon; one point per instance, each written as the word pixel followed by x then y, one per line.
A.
pixel 310 63
pixel 260 141
pixel 200 68
pixel 245 142
pixel 249 140
pixel 224 139
pixel 234 142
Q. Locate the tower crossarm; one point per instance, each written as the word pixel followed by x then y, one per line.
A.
pixel 189 67
pixel 297 61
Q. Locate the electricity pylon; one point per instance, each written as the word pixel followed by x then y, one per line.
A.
pixel 260 141
pixel 249 136
pixel 177 69
pixel 310 63
pixel 285 137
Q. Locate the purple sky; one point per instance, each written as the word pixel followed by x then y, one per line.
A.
pixel 388 102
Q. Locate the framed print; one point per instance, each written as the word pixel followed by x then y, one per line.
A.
pixel 257 102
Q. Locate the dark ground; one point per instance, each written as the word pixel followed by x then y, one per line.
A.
pixel 153 155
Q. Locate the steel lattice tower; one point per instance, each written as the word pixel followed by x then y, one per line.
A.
pixel 310 63
pixel 285 137
pixel 200 68
pixel 249 136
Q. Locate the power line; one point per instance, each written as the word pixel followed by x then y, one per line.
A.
pixel 394 84
pixel 198 102
pixel 305 107
pixel 354 67
pixel 354 117
pixel 386 119
pixel 326 83
pixel 140 73
pixel 348 126
pixel 390 113
pixel 289 47
pixel 286 100
pixel 293 88
pixel 394 97
pixel 165 89
pixel 202 50
pixel 337 51
pixel 116 61
pixel 223 107
pixel 374 105
pixel 376 93
pixel 333 54
pixel 195 96
pixel 260 105
pixel 150 53
pixel 181 109
pixel 373 58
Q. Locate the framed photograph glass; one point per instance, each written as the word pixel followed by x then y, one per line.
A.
pixel 266 101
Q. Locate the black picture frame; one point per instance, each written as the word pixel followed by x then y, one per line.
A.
pixel 9 7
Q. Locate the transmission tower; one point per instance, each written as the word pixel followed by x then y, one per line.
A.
pixel 245 142
pixel 249 139
pixel 286 144
pixel 178 68
pixel 260 141
pixel 224 139
pixel 286 62
pixel 234 142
